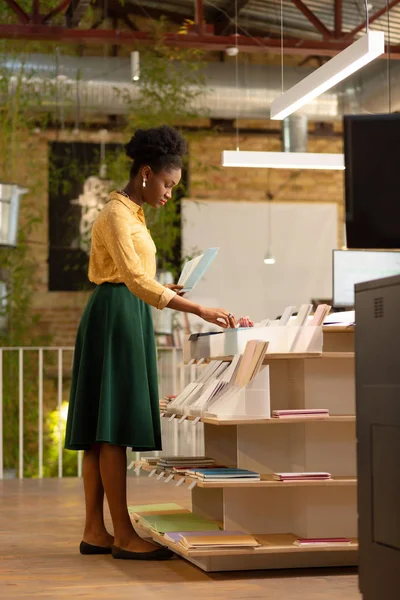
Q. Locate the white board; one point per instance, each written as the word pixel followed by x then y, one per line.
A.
pixel 303 236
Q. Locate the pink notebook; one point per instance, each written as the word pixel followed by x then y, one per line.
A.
pixel 321 541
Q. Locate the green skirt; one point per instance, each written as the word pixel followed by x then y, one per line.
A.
pixel 114 390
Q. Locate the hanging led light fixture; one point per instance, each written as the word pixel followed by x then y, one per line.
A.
pixel 269 258
pixel 276 160
pixel 353 58
pixel 135 65
pixel 282 160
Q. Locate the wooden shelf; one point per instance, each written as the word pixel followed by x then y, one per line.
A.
pixel 281 421
pixel 285 356
pixel 267 481
pixel 327 509
pixel 339 329
pixel 273 543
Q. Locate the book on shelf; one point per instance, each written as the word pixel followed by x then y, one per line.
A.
pixel 148 509
pixel 320 315
pixel 185 461
pixel 206 540
pixel 161 523
pixel 309 476
pixel 203 386
pixel 187 470
pixel 251 362
pixel 224 474
pixel 313 542
pixel 151 461
pixel 193 270
pixel 165 401
pixel 301 412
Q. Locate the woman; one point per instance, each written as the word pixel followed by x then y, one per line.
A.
pixel 114 400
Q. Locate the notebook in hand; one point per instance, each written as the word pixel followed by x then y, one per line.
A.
pixel 194 269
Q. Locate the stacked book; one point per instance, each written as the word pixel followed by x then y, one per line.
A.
pixel 151 461
pixel 312 413
pixel 316 542
pixel 211 540
pixel 223 475
pixel 144 510
pixel 184 462
pixel 218 380
pixel 311 476
pixel 164 403
pixel 203 386
pixel 161 523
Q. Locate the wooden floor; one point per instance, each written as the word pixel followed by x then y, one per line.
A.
pixel 40 530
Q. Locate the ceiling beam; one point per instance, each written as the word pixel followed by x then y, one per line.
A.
pixel 191 40
pixel 36 11
pixel 125 19
pixel 372 18
pixel 75 12
pixel 312 17
pixel 338 19
pixel 199 15
pixel 55 11
pixel 21 14
pixel 137 9
pixel 224 18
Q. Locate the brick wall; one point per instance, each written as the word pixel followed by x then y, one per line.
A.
pixel 61 311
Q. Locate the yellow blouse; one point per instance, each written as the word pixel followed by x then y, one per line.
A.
pixel 123 251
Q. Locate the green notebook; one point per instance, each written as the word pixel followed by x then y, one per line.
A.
pixel 177 522
pixel 154 507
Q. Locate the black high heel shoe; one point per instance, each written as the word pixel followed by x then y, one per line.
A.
pixel 158 554
pixel 86 548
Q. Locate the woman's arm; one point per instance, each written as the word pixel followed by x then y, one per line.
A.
pixel 218 316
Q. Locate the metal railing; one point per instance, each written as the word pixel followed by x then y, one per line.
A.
pixel 173 376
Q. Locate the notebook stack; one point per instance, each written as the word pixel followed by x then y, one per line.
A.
pixel 151 461
pixel 180 463
pixel 144 510
pixel 312 413
pixel 224 474
pixel 241 371
pixel 164 403
pixel 161 523
pixel 219 379
pixel 315 542
pixel 211 540
pixel 204 387
pixel 312 476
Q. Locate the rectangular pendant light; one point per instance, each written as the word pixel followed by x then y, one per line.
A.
pixel 282 160
pixel 356 56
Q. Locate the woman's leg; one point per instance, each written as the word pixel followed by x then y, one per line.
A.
pixel 113 474
pixel 95 531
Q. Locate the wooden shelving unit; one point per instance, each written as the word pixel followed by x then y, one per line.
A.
pixel 266 481
pixel 276 512
pixel 281 421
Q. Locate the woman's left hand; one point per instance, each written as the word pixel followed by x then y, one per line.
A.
pixel 175 288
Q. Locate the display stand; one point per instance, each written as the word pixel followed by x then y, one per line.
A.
pixel 276 513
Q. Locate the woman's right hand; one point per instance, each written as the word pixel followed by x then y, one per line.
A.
pixel 218 316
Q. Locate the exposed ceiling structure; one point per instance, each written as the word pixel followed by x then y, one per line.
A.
pixel 311 27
